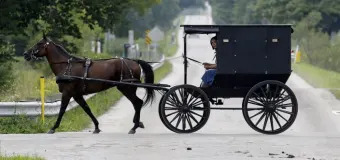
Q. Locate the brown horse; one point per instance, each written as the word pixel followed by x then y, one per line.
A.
pixel 63 64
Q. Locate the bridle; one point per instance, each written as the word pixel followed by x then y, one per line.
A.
pixel 35 50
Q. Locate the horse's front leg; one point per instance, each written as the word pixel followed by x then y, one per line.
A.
pixel 81 101
pixel 65 99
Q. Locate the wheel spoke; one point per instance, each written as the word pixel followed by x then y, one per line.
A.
pixel 178 98
pixel 172 97
pixel 269 92
pixel 277 121
pixel 264 94
pixel 199 109
pixel 179 120
pixel 260 119
pixel 281 94
pixel 259 98
pixel 285 105
pixel 193 118
pixel 189 121
pixel 170 108
pixel 194 101
pixel 256 114
pixel 275 93
pixel 184 122
pixel 282 100
pixel 197 104
pixel 255 103
pixel 281 116
pixel 171 113
pixel 284 111
pixel 254 109
pixel 170 104
pixel 181 93
pixel 265 122
pixel 175 118
pixel 271 121
pixel 191 97
pixel 196 114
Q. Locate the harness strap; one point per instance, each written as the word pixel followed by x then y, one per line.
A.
pixel 69 67
pixel 121 72
pixel 87 66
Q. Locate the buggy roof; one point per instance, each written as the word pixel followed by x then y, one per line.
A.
pixel 206 29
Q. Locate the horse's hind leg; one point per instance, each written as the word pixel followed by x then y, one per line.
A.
pixel 130 93
pixel 65 99
pixel 81 101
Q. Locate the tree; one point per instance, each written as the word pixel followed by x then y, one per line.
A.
pixel 58 18
pixel 293 11
pixel 159 15
pixel 191 3
pixel 222 11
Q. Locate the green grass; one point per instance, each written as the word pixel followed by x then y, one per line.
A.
pixel 75 119
pixel 18 157
pixel 27 82
pixel 319 77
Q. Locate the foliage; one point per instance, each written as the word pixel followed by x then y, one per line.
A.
pixel 191 3
pixel 293 11
pixel 159 15
pixel 6 59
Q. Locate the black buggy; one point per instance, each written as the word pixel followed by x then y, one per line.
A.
pixel 253 62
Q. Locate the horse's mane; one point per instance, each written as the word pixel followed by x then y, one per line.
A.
pixel 63 51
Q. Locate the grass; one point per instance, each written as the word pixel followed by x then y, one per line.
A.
pixel 75 119
pixel 18 157
pixel 27 82
pixel 319 77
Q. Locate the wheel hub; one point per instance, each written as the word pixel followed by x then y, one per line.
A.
pixel 270 107
pixel 185 109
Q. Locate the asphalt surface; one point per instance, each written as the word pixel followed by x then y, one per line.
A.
pixel 315 133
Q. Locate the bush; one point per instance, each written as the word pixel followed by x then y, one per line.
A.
pixel 6 58
pixel 316 46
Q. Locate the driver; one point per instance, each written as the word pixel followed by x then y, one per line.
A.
pixel 208 77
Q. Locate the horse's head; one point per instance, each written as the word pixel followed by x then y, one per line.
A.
pixel 38 50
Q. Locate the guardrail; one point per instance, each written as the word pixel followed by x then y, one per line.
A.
pixel 33 108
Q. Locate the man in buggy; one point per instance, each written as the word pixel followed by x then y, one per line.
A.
pixel 208 77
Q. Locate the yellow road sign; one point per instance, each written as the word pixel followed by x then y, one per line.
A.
pixel 147 38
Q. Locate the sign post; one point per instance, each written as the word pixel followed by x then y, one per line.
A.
pixel 148 41
pixel 42 94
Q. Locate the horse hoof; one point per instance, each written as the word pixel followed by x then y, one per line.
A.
pixel 51 131
pixel 141 125
pixel 96 131
pixel 132 132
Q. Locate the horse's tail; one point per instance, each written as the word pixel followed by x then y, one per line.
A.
pixel 148 78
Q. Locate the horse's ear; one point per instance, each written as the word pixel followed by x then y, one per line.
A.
pixel 44 36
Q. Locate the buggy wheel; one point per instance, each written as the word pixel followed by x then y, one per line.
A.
pixel 270 107
pixel 184 109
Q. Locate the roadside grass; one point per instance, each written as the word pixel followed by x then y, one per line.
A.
pixel 319 77
pixel 19 157
pixel 75 119
pixel 27 82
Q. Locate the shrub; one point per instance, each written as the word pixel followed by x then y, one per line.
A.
pixel 6 58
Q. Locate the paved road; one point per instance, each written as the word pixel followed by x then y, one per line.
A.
pixel 315 133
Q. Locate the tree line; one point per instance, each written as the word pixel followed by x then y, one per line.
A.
pixel 72 22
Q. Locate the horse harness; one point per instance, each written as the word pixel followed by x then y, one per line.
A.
pixel 87 65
